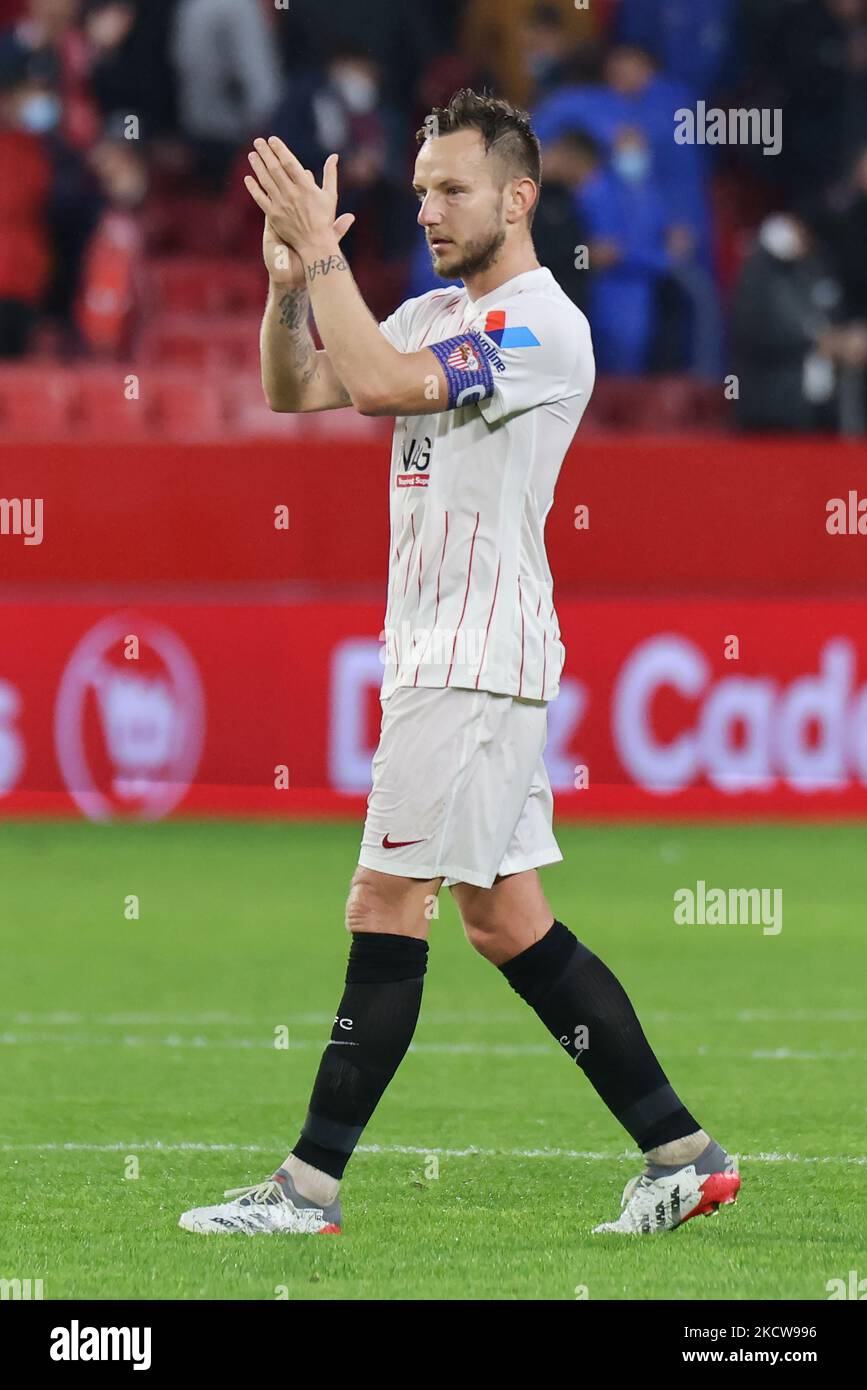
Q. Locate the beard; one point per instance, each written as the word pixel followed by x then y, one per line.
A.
pixel 474 256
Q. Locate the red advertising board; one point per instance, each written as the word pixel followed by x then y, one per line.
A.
pixel 734 707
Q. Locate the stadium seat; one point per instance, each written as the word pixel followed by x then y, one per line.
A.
pixel 105 406
pixel 184 284
pixel 244 288
pixel 249 415
pixel 207 285
pixel 35 402
pixel 201 340
pixel 187 406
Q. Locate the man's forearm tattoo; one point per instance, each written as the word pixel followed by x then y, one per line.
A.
pixel 294 313
pixel 294 309
pixel 325 266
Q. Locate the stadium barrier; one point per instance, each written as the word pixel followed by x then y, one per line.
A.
pixel 669 708
pixel 667 516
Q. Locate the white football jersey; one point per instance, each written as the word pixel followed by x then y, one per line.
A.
pixel 470 593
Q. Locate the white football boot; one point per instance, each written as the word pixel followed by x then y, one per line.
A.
pixel 653 1205
pixel 267 1208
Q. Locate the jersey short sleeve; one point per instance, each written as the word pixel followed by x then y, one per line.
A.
pixel 394 330
pixel 544 354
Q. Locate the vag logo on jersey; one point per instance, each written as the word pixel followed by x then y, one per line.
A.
pixel 416 456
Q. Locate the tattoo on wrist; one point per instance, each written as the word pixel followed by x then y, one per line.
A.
pixel 294 308
pixel 323 267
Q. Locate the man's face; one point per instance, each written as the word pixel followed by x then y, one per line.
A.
pixel 628 70
pixel 461 204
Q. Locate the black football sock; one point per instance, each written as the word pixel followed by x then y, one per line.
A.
pixel 371 1033
pixel 571 988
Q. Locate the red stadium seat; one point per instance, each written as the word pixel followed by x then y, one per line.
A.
pixel 234 340
pixel 111 404
pixel 249 414
pixel 201 340
pixel 184 284
pixel 174 340
pixel 198 284
pixel 187 406
pixel 35 401
pixel 244 288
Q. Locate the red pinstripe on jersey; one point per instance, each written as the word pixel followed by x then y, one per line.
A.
pixel 437 609
pixel 409 556
pixel 544 652
pixel 466 592
pixel 521 606
pixel 490 616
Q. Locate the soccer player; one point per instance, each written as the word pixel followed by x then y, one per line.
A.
pixel 488 383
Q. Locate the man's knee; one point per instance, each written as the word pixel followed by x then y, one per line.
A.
pixel 501 921
pixel 387 903
pixel 481 923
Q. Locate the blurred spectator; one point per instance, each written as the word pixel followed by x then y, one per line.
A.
pixel 560 233
pixel 627 222
pixel 229 78
pixel 129 70
pixel 635 95
pixel 551 53
pixel 844 221
pixel 692 40
pixel 25 180
pixel 109 301
pixel 494 37
pixel 794 341
pixel 401 38
pixel 342 110
pixel 810 59
pixel 49 35
pixel 56 51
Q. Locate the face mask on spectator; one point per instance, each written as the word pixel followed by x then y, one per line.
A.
pixel 39 113
pixel 781 238
pixel 359 92
pixel 632 163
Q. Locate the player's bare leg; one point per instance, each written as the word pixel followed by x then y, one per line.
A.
pixel 388 917
pixel 582 1003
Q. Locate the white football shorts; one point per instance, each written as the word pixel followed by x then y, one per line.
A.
pixel 460 789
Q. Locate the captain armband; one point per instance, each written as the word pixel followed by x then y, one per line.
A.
pixel 467 369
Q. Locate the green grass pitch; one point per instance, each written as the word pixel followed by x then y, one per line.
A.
pixel 140 1074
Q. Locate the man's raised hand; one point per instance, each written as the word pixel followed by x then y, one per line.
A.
pixel 300 212
pixel 283 264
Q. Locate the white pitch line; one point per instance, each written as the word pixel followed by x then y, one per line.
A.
pixel 437 1019
pixel 193 1146
pixel 444 1049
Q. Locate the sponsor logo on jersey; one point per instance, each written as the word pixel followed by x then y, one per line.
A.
pixel 415 456
pixel 508 337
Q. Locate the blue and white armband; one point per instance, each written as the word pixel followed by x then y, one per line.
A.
pixel 467 367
